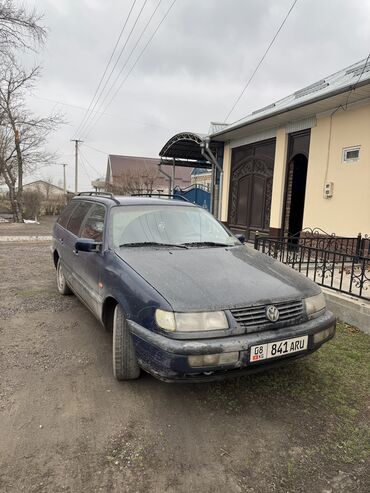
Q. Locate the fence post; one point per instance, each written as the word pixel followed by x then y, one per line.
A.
pixel 256 236
pixel 358 245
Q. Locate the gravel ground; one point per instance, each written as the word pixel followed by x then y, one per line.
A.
pixel 67 426
pixel 15 229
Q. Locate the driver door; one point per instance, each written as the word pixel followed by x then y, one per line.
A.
pixel 90 264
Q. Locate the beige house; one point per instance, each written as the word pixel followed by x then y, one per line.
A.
pixel 202 178
pixel 47 189
pixel 301 162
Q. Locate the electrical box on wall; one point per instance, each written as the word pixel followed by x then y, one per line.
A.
pixel 328 189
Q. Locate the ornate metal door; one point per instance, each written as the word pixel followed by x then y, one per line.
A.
pixel 252 171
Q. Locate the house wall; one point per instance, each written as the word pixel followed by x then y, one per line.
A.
pixel 204 179
pixel 347 213
pixel 45 189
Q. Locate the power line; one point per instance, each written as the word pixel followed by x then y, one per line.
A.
pixel 85 170
pixel 115 64
pixel 135 63
pixel 261 61
pixel 108 63
pixel 89 164
pixel 112 115
pixel 97 150
pixel 124 65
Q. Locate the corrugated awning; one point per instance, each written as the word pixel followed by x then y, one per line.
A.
pixel 185 149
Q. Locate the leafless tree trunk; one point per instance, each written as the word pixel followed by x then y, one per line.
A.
pixel 23 135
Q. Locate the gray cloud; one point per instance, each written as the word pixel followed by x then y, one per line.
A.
pixel 193 70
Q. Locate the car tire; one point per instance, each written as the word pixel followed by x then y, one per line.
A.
pixel 62 285
pixel 125 365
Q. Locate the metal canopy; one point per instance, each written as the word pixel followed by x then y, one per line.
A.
pixel 185 149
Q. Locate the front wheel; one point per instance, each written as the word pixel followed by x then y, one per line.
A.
pixel 62 285
pixel 125 365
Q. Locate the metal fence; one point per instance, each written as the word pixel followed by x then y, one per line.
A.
pixel 338 263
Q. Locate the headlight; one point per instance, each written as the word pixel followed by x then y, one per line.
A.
pixel 315 304
pixel 191 322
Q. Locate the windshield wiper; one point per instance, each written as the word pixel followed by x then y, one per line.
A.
pixel 151 243
pixel 206 243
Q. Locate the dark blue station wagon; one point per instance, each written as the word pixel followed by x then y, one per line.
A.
pixel 183 298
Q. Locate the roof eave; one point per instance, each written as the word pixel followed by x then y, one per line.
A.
pixel 327 95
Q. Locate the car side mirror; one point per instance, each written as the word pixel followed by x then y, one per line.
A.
pixel 87 246
pixel 240 237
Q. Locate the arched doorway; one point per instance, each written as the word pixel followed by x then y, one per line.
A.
pixel 295 194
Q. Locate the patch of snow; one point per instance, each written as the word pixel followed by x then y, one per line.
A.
pixel 30 221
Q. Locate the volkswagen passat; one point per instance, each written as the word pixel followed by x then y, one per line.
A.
pixel 183 298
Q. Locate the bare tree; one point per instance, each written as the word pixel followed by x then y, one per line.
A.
pixel 19 28
pixel 134 181
pixel 22 134
pixel 48 186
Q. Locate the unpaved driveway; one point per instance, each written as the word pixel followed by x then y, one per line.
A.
pixel 67 426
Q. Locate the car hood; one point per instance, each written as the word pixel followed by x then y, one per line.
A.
pixel 217 278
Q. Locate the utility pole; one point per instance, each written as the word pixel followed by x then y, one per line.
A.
pixel 76 141
pixel 64 177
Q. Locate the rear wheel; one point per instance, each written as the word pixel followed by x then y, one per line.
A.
pixel 62 285
pixel 125 365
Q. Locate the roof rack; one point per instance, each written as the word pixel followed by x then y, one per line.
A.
pixel 161 195
pixel 108 195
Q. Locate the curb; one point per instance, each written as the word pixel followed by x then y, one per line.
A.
pixel 21 238
pixel 351 310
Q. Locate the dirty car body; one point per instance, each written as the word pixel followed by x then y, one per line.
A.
pixel 199 305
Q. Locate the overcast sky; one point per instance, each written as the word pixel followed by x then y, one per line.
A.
pixel 192 71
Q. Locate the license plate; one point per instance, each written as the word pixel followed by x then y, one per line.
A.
pixel 278 348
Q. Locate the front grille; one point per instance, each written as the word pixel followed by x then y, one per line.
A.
pixel 253 318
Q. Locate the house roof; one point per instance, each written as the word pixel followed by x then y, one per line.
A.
pixel 317 97
pixel 121 164
pixel 44 183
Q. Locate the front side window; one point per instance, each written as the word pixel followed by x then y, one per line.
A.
pixel 77 217
pixel 93 226
pixel 170 225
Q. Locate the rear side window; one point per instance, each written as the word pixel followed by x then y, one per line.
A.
pixel 66 214
pixel 93 226
pixel 77 217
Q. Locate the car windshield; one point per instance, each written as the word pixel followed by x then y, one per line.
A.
pixel 167 225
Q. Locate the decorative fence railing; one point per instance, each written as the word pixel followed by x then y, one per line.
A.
pixel 338 263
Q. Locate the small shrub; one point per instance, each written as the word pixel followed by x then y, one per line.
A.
pixel 32 204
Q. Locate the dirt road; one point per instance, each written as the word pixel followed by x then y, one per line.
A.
pixel 67 426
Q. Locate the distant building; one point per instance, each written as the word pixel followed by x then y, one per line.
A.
pixel 202 177
pixel 51 198
pixel 134 174
pixel 47 189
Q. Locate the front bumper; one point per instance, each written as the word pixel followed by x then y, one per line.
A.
pixel 167 359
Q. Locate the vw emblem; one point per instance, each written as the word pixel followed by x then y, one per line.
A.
pixel 272 313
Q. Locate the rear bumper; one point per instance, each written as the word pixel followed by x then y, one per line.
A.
pixel 167 359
